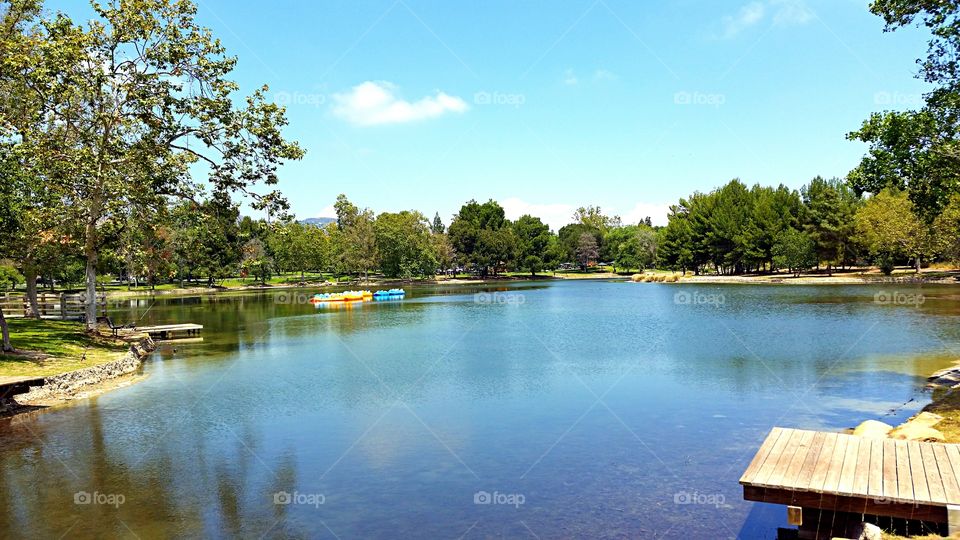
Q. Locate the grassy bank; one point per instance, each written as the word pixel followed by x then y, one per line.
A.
pixel 46 348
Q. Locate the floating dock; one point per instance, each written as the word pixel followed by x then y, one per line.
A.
pixel 171 331
pixel 817 473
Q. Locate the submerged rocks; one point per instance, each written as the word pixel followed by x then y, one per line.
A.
pixel 948 378
pixel 873 429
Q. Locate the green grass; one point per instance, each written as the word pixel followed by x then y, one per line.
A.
pixel 47 348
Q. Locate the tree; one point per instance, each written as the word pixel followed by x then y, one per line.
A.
pixel 794 250
pixel 918 151
pixel 829 209
pixel 117 112
pixel 255 261
pixel 568 238
pixel 360 244
pixel 675 241
pixel 481 236
pixel 593 216
pixel 889 229
pixel 437 226
pixel 639 250
pixel 587 250
pixel 405 245
pixel 533 243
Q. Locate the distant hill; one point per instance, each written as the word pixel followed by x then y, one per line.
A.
pixel 319 221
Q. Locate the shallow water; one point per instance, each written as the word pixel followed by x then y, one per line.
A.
pixel 571 409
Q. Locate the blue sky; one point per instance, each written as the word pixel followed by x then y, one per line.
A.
pixel 545 105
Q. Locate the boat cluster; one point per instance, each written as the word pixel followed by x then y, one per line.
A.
pixel 356 296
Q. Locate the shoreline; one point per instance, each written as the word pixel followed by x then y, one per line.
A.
pixel 83 383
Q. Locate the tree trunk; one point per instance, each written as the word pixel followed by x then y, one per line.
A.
pixel 31 278
pixel 5 331
pixel 918 263
pixel 90 251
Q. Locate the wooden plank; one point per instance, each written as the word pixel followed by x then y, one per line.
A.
pixel 823 462
pixel 904 482
pixel 776 477
pixel 889 469
pixel 761 455
pixel 796 462
pixel 932 470
pixel 849 470
pixel 953 454
pixel 875 477
pixel 951 488
pixel 771 462
pixel 836 464
pixel 805 477
pixel 920 490
pixel 861 476
pixel 845 503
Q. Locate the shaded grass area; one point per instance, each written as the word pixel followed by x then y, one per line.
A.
pixel 946 403
pixel 47 348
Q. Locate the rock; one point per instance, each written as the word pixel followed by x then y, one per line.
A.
pixel 927 419
pixel 873 429
pixel 915 432
pixel 869 531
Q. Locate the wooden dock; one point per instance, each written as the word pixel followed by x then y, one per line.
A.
pixel 11 386
pixel 172 331
pixel 841 473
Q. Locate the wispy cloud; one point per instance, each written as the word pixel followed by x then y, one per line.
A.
pixel 748 16
pixel 376 102
pixel 604 75
pixel 570 78
pixel 779 12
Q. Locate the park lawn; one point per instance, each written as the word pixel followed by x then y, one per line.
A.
pixel 46 348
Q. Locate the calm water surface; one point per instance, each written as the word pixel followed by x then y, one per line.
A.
pixel 574 409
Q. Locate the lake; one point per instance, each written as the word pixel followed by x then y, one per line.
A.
pixel 563 409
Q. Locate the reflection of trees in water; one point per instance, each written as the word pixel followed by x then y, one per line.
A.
pixel 199 479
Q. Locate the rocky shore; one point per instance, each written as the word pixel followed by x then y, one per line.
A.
pixel 80 383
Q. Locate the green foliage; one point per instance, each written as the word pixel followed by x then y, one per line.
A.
pixel 9 277
pixel 405 245
pixel 888 228
pixel 587 250
pixel 533 243
pixel 255 261
pixel 794 250
pixel 481 236
pixel 639 248
pixel 829 210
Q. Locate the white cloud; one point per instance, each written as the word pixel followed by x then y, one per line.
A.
pixel 376 102
pixel 570 78
pixel 749 15
pixel 792 12
pixel 781 12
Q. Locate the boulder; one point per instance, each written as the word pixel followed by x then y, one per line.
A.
pixel 925 418
pixel 869 531
pixel 873 429
pixel 916 432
